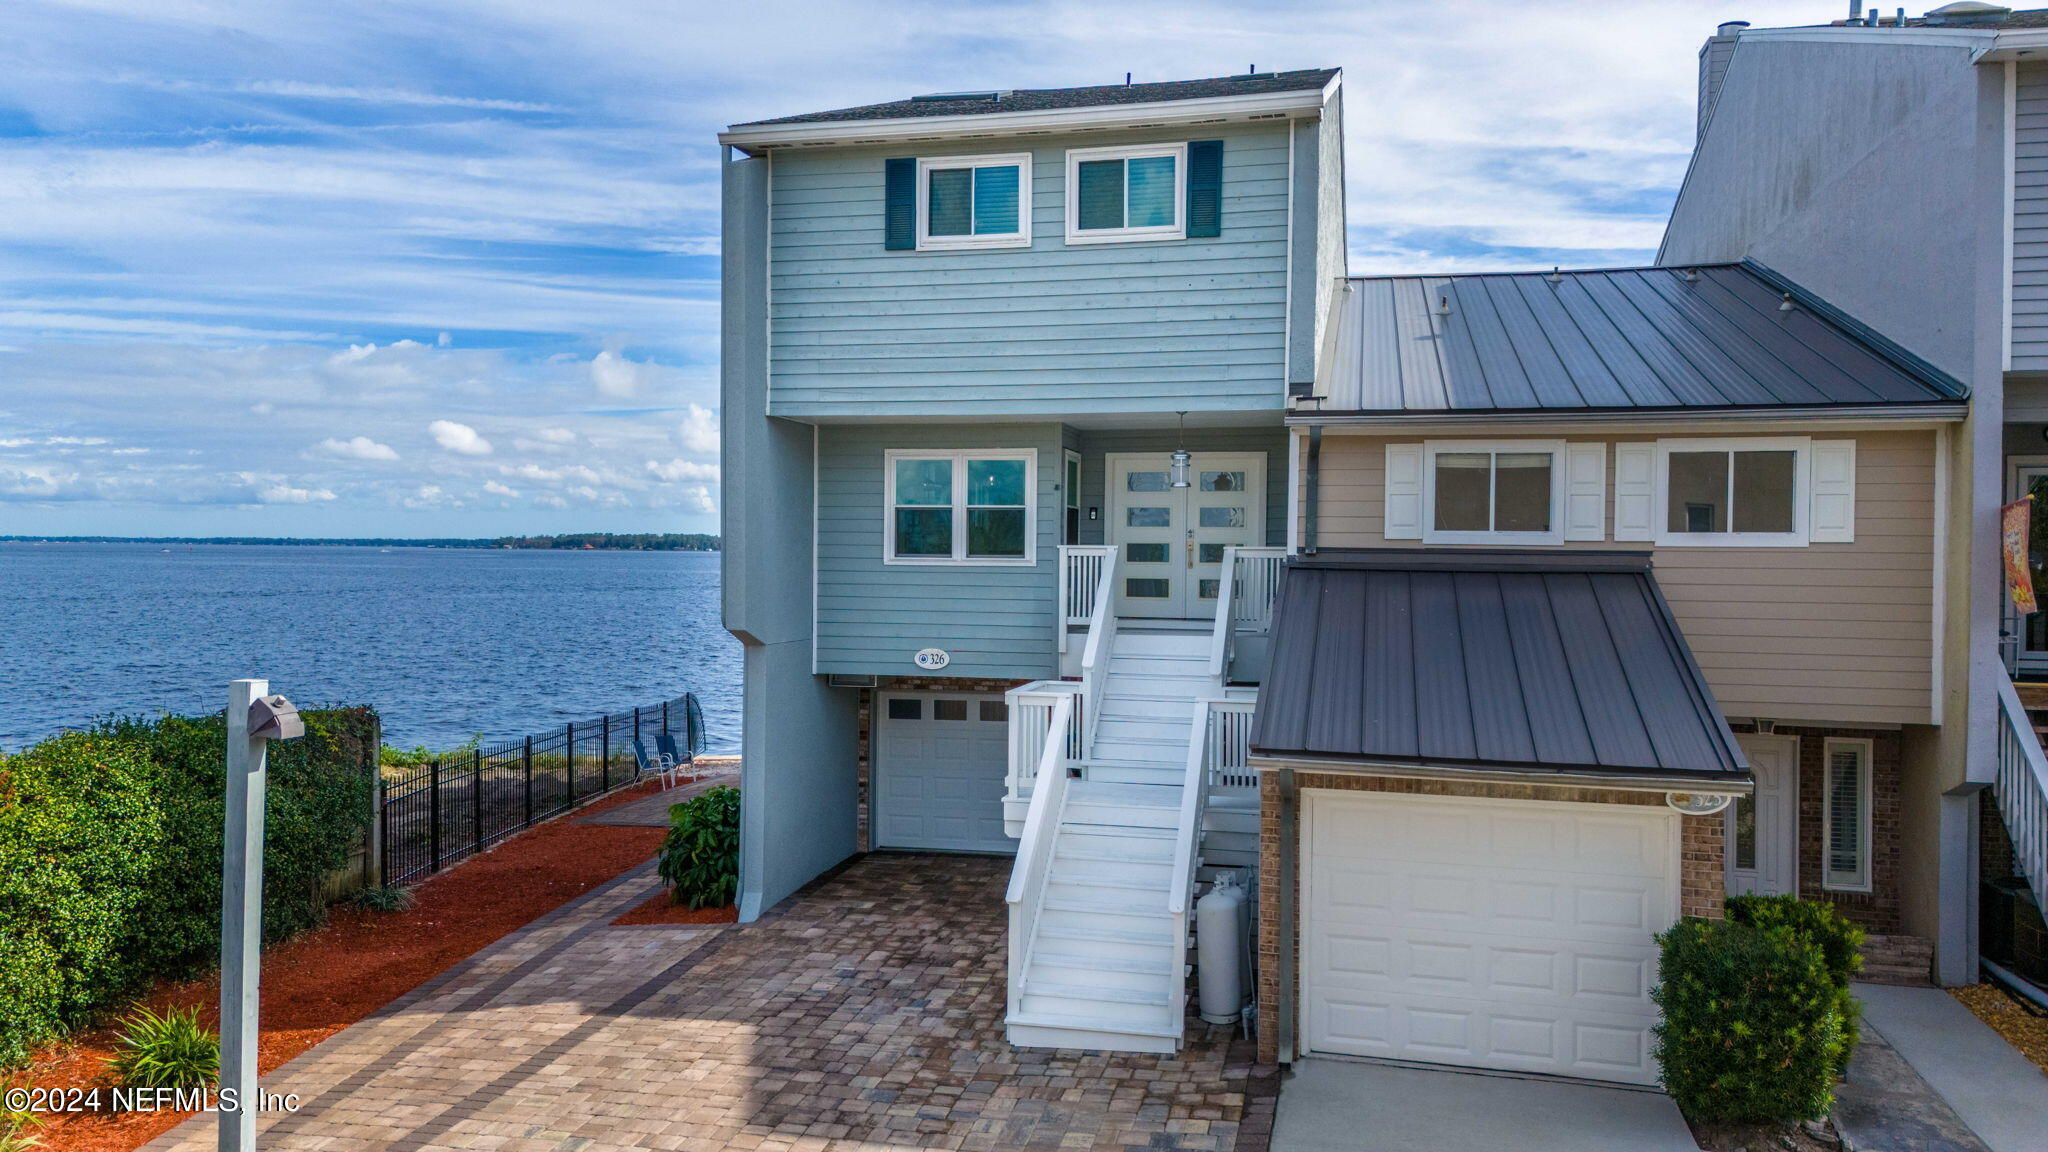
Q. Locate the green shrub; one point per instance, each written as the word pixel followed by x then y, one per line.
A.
pixel 15 1122
pixel 1841 949
pixel 385 899
pixel 172 1050
pixel 700 856
pixel 79 834
pixel 1751 1029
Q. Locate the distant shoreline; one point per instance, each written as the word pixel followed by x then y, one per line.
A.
pixel 576 542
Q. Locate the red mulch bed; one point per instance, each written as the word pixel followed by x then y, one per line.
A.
pixel 319 983
pixel 661 908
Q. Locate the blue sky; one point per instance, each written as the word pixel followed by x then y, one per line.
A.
pixel 450 267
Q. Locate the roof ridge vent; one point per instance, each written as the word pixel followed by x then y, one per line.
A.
pixel 1966 10
pixel 990 95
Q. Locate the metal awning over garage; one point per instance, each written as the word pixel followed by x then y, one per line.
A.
pixel 1560 663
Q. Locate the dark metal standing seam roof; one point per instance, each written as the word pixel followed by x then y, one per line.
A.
pixel 1565 662
pixel 1044 99
pixel 1710 336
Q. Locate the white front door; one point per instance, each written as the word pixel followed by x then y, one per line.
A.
pixel 1169 540
pixel 1510 934
pixel 938 761
pixel 1761 848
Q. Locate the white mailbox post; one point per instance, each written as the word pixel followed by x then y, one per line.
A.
pixel 254 719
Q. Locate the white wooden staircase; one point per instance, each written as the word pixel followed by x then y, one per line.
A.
pixel 1103 964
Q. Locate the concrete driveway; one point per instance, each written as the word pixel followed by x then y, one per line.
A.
pixel 1355 1106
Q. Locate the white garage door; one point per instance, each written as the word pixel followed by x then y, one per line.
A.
pixel 938 767
pixel 1486 933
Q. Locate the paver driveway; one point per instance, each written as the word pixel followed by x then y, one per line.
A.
pixel 863 1014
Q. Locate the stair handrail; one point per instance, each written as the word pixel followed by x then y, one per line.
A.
pixel 1187 842
pixel 2021 787
pixel 1034 847
pixel 1073 561
pixel 1094 657
pixel 1219 637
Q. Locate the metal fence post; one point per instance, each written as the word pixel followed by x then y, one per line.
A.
pixel 476 801
pixel 664 715
pixel 526 757
pixel 434 816
pixel 604 754
pixel 569 744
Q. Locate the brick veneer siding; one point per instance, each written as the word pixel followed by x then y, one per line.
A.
pixel 1701 886
pixel 907 684
pixel 1878 910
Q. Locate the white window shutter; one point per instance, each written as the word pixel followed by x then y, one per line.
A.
pixel 1832 515
pixel 1635 491
pixel 1404 492
pixel 1585 492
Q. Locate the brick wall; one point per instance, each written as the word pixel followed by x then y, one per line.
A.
pixel 908 684
pixel 1701 886
pixel 1878 910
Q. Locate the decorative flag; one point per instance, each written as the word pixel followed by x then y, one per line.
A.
pixel 2017 519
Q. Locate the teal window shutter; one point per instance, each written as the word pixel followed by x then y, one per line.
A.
pixel 899 204
pixel 1205 188
pixel 995 200
pixel 948 202
pixel 1101 193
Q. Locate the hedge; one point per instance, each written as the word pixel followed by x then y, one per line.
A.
pixel 110 856
pixel 1751 1030
pixel 1841 950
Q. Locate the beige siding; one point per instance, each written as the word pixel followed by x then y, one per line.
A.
pixel 1836 633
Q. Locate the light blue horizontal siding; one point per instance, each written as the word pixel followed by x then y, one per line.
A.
pixel 859 331
pixel 997 621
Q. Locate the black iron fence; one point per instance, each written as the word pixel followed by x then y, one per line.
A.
pixel 435 814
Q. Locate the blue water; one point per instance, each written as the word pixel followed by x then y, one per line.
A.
pixel 443 642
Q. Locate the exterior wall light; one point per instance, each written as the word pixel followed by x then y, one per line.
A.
pixel 1181 458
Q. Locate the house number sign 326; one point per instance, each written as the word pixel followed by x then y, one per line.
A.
pixel 932 659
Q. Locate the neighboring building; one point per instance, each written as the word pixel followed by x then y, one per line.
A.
pixel 964 334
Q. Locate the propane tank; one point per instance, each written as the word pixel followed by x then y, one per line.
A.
pixel 1219 949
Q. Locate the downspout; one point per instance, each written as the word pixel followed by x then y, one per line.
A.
pixel 1311 498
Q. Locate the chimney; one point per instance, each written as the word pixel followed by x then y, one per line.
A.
pixel 1714 57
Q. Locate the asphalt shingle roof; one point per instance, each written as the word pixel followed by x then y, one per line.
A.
pixel 1042 99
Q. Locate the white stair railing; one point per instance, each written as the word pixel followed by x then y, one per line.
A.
pixel 1095 654
pixel 1080 582
pixel 1031 708
pixel 1033 866
pixel 1257 578
pixel 2021 788
pixel 1187 843
pixel 1227 753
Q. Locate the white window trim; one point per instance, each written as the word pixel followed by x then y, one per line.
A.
pixel 1431 449
pixel 1832 880
pixel 1802 494
pixel 959 457
pixel 926 242
pixel 1179 228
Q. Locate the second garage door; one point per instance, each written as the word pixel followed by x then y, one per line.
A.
pixel 1486 933
pixel 938 768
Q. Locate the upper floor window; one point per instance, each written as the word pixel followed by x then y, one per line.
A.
pixel 974 202
pixel 1127 193
pixel 1494 493
pixel 961 507
pixel 1732 492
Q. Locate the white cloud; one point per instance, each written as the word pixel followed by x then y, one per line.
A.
pixel 675 470
pixel 357 448
pixel 497 489
pixel 615 375
pixel 286 494
pixel 556 435
pixel 459 438
pixel 698 433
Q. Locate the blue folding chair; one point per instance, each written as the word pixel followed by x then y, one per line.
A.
pixel 656 765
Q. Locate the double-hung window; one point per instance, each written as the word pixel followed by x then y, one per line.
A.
pixel 1845 815
pixel 964 507
pixel 974 202
pixel 1493 492
pixel 1733 492
pixel 1128 193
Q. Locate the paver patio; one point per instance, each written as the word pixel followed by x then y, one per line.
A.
pixel 865 1013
